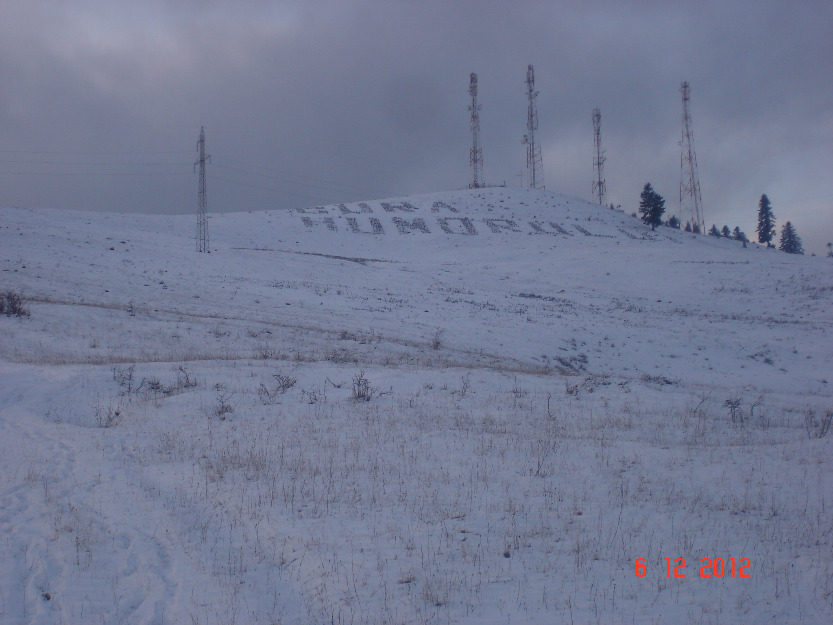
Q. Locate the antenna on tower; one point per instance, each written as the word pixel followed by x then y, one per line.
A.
pixel 534 162
pixel 476 154
pixel 690 200
pixel 599 159
pixel 202 224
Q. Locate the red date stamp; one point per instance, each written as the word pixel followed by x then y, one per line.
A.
pixel 709 567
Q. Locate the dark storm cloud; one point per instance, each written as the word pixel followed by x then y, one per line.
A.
pixel 309 103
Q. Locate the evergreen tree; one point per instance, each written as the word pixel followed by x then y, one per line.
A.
pixel 714 232
pixel 688 226
pixel 830 250
pixel 651 206
pixel 725 232
pixel 695 228
pixel 766 221
pixel 673 222
pixel 790 241
pixel 739 235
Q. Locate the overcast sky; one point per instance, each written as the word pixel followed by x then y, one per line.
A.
pixel 309 103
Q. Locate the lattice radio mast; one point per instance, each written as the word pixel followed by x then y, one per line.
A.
pixel 202 224
pixel 476 155
pixel 599 159
pixel 534 162
pixel 690 200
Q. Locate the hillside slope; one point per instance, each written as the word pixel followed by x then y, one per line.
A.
pixel 510 277
pixel 472 407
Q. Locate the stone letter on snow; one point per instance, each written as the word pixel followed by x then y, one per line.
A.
pixel 464 222
pixel 539 228
pixel 363 208
pixel 374 223
pixel 500 225
pixel 328 221
pixel 435 208
pixel 405 207
pixel 404 226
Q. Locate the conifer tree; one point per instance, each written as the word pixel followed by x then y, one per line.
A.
pixel 790 241
pixel 651 206
pixel 688 226
pixel 673 222
pixel 695 228
pixel 725 232
pixel 714 232
pixel 739 235
pixel 766 221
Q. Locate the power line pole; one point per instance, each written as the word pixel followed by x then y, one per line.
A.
pixel 690 200
pixel 476 154
pixel 534 162
pixel 202 223
pixel 599 159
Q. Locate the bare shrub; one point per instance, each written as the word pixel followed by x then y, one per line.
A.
pixel 11 305
pixel 183 379
pixel 817 428
pixel 153 386
pixel 283 382
pixel 123 376
pixel 313 395
pixel 362 391
pixel 733 404
pixel 223 408
pixel 266 396
pixel 437 339
pixel 106 416
pixel 465 384
pixel 657 379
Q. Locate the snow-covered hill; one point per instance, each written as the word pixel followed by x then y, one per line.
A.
pixel 555 391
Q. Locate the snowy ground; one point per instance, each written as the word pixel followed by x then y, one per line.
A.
pixel 180 440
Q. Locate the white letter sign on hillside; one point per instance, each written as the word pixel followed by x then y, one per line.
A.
pixel 385 219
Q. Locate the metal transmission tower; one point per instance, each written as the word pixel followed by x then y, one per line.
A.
pixel 690 200
pixel 534 162
pixel 202 224
pixel 476 155
pixel 599 159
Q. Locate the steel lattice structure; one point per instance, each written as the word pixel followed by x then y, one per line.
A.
pixel 599 186
pixel 202 223
pixel 691 203
pixel 534 162
pixel 476 153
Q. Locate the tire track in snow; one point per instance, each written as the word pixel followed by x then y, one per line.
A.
pixel 72 550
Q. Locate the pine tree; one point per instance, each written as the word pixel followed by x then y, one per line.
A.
pixel 695 228
pixel 830 250
pixel 651 206
pixel 673 222
pixel 739 235
pixel 688 226
pixel 725 232
pixel 766 221
pixel 714 232
pixel 790 241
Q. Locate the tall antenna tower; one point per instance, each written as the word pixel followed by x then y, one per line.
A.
pixel 476 155
pixel 690 200
pixel 202 224
pixel 534 162
pixel 599 159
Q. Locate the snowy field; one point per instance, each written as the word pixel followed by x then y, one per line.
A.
pixel 470 407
